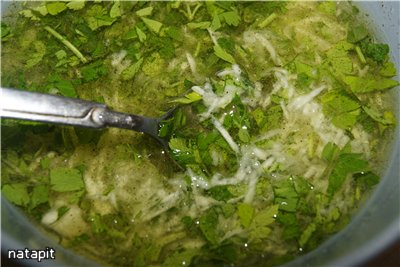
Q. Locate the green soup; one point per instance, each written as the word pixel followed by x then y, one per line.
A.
pixel 287 119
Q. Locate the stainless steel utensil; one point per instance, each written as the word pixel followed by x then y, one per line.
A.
pixel 25 105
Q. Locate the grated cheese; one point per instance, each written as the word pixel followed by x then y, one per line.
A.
pixel 214 102
pixel 192 63
pixel 302 116
pixel 235 71
pixel 225 134
pixel 119 62
pixel 271 50
pixel 260 39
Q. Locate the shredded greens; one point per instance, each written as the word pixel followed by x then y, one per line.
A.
pixel 284 116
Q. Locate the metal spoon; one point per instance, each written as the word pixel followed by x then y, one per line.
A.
pixel 18 104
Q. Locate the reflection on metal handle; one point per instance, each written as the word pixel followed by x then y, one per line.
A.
pixel 33 106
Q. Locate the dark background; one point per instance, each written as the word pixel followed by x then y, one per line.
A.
pixel 388 258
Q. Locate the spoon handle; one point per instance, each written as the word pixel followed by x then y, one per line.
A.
pixel 34 106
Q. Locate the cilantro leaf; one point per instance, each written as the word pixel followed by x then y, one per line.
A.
pixel 231 18
pixel 346 120
pixel 78 240
pixel 238 118
pixel 55 8
pixel 376 116
pixel 388 70
pixel 290 223
pixel 60 54
pixel 199 25
pixel 142 36
pixel 97 225
pixel 227 44
pixel 115 10
pixel 40 195
pixel 37 56
pixel 180 257
pixel 180 151
pixel 259 117
pixel 259 226
pixel 76 5
pixel 16 193
pixel 226 5
pixel 356 33
pixel 97 17
pixel 341 108
pixel 45 162
pixel 144 11
pixel 330 152
pixel 93 71
pixel 366 85
pixel 328 7
pixel 257 9
pixel 213 8
pixel 348 163
pixel 304 68
pixel 208 226
pixel 42 9
pixel 285 196
pixel 220 193
pixel 65 87
pixel 215 23
pixel 244 135
pixel 188 98
pixel 170 126
pixel 304 81
pixel 273 116
pixel 205 139
pixel 167 50
pixel 5 31
pixel 154 64
pixel 339 58
pixel 245 213
pixel 266 216
pixel 131 71
pixel 66 179
pixel 27 13
pixel 153 25
pixel 305 236
pixel 62 210
pixel 226 252
pixel 222 54
pixel 175 33
pixel 368 179
pixel 377 52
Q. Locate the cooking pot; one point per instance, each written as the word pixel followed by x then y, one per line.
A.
pixel 375 227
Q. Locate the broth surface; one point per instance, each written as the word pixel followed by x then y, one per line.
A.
pixel 282 138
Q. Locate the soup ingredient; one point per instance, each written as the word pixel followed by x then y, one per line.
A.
pixel 287 121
